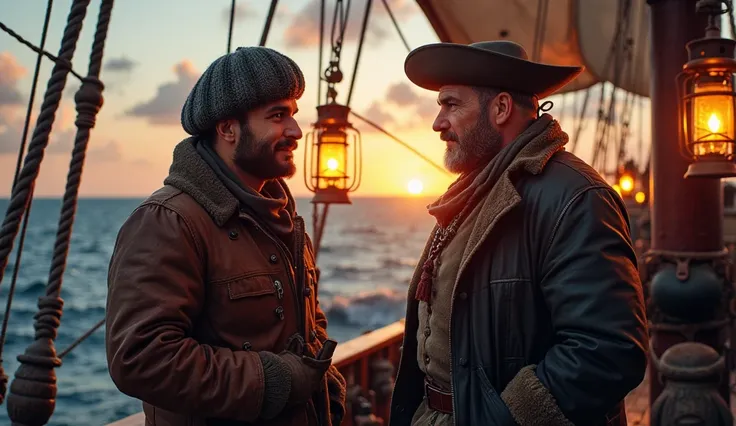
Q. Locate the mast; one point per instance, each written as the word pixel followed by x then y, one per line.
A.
pixel 685 272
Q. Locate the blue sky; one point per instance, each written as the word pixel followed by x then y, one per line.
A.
pixel 156 50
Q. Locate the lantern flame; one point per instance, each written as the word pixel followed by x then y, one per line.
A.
pixel 332 164
pixel 714 123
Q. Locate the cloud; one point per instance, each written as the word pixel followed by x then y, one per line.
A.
pixel 379 115
pixel 165 107
pixel 10 73
pixel 401 94
pixel 10 132
pixel 122 64
pixel 303 30
pixel 110 151
pixel 61 138
pixel 421 109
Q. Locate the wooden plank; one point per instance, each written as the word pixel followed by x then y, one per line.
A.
pixel 137 419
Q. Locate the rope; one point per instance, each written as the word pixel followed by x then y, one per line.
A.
pixel 580 119
pixel 35 380
pixel 404 144
pixel 396 25
pixel 367 14
pixel 540 29
pixel 59 60
pixel 269 19
pixel 321 50
pixel 21 191
pixel 731 21
pixel 81 339
pixel 230 31
pixel 616 51
pixel 21 151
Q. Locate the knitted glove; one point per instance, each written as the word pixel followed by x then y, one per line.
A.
pixel 337 389
pixel 306 375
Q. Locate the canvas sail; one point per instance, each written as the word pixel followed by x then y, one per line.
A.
pixel 608 37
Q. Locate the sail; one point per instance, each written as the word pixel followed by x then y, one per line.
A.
pixel 608 37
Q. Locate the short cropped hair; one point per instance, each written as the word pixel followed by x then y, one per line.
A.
pixel 521 100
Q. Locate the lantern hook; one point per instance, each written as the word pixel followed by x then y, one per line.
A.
pixel 712 8
pixel 333 74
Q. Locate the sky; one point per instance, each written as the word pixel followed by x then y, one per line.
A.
pixel 155 52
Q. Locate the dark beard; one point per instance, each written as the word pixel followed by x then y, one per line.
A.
pixel 258 157
pixel 479 145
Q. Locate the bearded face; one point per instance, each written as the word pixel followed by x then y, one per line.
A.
pixel 476 144
pixel 263 157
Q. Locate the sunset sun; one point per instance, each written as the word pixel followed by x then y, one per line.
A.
pixel 415 186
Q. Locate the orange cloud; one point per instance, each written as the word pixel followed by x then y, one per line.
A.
pixel 303 30
pixel 10 73
pixel 165 107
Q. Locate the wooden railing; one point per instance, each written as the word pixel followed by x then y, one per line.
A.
pixel 368 363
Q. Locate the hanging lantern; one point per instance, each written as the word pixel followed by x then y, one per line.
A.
pixel 706 109
pixel 329 148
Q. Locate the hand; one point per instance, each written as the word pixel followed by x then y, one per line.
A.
pixel 307 375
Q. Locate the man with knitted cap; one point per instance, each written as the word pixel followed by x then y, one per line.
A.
pixel 212 314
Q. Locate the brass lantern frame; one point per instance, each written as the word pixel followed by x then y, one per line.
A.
pixel 710 59
pixel 332 119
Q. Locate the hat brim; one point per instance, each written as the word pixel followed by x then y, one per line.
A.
pixel 441 64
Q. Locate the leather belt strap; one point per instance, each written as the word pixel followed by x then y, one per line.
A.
pixel 438 399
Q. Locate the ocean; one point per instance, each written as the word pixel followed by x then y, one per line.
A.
pixel 368 254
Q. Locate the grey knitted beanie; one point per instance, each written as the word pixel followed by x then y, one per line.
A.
pixel 236 82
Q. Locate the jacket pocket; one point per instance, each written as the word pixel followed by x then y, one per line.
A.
pixel 494 410
pixel 246 306
pixel 252 284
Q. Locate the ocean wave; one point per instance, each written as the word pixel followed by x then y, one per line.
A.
pixel 368 309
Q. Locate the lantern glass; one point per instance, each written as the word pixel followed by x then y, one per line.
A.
pixel 713 117
pixel 332 159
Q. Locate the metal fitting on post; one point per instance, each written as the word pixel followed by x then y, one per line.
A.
pixel 691 372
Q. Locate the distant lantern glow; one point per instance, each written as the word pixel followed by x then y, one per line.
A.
pixel 415 186
pixel 332 164
pixel 626 183
pixel 640 197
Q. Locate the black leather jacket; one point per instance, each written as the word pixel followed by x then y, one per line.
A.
pixel 551 296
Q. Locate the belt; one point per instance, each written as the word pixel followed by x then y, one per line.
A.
pixel 437 399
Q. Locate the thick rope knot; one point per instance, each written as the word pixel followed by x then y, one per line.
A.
pixel 89 101
pixel 48 317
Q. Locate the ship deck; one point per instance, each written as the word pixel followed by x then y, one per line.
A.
pixel 353 359
pixel 637 409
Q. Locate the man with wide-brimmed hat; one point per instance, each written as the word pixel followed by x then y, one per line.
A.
pixel 526 307
pixel 212 312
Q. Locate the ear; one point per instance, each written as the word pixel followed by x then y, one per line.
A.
pixel 502 108
pixel 226 130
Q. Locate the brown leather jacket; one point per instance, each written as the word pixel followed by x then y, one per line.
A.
pixel 196 289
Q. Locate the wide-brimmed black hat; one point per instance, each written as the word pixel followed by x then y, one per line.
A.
pixel 499 64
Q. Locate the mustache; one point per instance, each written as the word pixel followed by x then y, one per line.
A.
pixel 286 144
pixel 449 136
